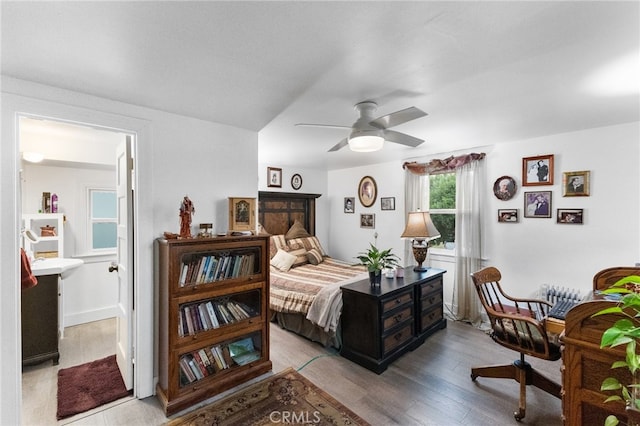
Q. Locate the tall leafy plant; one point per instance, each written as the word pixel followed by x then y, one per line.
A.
pixel 376 260
pixel 625 331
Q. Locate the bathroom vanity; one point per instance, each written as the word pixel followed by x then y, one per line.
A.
pixel 40 321
pixel 40 310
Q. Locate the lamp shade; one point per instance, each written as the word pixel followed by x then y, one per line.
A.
pixel 419 226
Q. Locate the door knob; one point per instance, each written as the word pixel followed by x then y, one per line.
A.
pixel 113 267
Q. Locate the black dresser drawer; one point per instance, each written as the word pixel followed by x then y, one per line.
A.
pixel 396 301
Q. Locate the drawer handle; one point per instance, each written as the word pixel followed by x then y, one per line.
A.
pixel 398 318
pixel 398 301
pixel 398 336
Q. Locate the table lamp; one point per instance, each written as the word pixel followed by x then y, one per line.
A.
pixel 422 230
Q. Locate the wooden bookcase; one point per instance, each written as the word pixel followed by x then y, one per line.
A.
pixel 212 316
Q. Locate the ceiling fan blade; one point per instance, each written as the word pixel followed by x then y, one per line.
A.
pixel 401 138
pixel 397 118
pixel 344 142
pixel 322 125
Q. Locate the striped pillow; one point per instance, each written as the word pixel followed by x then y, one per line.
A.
pixel 301 255
pixel 309 243
pixel 314 257
pixel 277 242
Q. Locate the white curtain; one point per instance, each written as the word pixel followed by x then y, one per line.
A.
pixel 470 170
pixel 469 195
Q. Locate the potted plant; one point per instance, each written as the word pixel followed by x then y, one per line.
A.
pixel 625 331
pixel 376 260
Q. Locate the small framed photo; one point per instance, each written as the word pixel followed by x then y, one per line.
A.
pixel 570 216
pixel 349 204
pixel 242 215
pixel 537 170
pixel 508 215
pixel 575 184
pixel 296 181
pixel 274 177
pixel 367 191
pixel 537 204
pixel 388 203
pixel 368 220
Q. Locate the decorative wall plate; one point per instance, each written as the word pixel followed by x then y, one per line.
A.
pixel 504 188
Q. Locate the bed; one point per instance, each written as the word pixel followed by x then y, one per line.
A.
pixel 305 297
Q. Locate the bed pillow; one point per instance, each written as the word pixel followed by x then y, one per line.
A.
pixel 283 260
pixel 277 242
pixel 300 253
pixel 296 231
pixel 309 243
pixel 314 256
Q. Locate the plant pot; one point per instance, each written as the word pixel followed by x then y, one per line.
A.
pixel 375 277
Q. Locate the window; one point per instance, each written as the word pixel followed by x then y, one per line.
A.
pixel 102 233
pixel 442 207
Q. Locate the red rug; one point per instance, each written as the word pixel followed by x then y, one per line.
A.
pixel 88 386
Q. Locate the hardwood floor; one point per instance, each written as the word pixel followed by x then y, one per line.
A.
pixel 429 386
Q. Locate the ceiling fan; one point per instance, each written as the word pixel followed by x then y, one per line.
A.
pixel 369 133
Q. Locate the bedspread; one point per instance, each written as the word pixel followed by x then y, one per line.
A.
pixel 313 290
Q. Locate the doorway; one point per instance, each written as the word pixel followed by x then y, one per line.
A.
pixel 77 157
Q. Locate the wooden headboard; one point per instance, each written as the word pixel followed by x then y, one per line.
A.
pixel 278 210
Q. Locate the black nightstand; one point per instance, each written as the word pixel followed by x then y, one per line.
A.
pixel 379 324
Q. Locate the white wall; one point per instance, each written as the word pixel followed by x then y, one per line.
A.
pixel 175 156
pixel 533 251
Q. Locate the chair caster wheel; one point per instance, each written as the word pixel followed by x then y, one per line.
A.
pixel 519 415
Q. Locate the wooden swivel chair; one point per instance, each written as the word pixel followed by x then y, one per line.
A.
pixel 517 324
pixel 605 278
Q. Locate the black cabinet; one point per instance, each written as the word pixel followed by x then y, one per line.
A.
pixel 381 323
pixel 40 322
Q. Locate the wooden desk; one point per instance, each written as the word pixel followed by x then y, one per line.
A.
pixel 585 365
pixel 380 324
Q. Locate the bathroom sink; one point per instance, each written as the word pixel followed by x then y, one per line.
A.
pixel 55 266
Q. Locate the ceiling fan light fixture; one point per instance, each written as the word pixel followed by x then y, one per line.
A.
pixel 365 141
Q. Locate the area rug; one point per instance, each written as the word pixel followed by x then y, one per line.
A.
pixel 88 386
pixel 284 398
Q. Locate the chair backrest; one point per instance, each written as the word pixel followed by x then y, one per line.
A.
pixel 516 323
pixel 603 279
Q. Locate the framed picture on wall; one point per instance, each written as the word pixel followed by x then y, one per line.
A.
pixel 349 204
pixel 575 184
pixel 387 203
pixel 537 204
pixel 367 191
pixel 274 177
pixel 570 216
pixel 537 170
pixel 368 220
pixel 508 215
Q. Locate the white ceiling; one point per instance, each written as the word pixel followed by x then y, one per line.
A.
pixel 485 72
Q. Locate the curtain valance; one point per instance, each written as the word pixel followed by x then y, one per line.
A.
pixel 441 166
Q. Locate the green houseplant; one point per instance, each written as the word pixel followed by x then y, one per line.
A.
pixel 625 331
pixel 376 260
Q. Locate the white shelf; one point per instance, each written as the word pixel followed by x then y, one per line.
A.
pixel 46 245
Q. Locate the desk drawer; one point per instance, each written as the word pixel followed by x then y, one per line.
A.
pixel 396 318
pixel 428 318
pixel 431 301
pixel 396 301
pixel 396 339
pixel 431 287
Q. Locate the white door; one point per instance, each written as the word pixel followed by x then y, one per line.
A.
pixel 124 266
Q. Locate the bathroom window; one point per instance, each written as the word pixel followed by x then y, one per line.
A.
pixel 103 220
